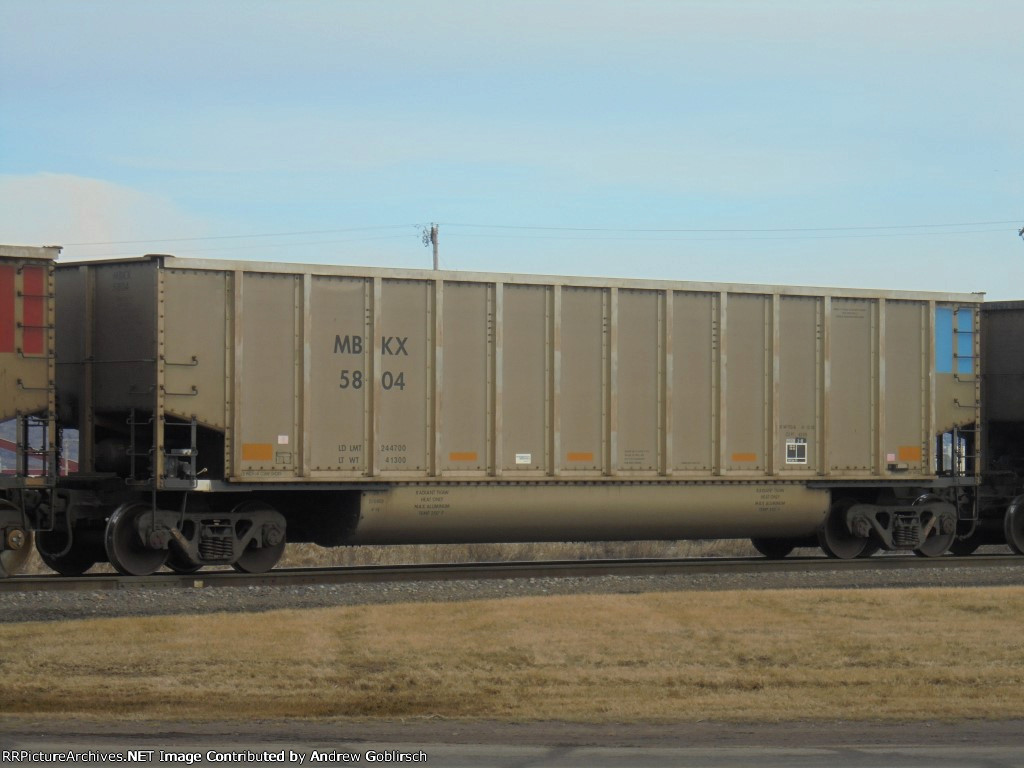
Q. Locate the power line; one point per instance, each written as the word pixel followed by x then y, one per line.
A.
pixel 730 230
pixel 597 238
pixel 240 237
pixel 891 228
pixel 249 247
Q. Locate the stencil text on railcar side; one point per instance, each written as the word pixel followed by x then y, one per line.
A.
pixel 770 499
pixel 352 344
pixel 350 453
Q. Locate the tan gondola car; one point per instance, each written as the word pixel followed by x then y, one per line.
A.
pixel 354 405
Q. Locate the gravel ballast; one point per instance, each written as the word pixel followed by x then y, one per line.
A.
pixel 143 601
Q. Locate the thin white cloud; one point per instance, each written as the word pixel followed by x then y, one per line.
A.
pixel 60 209
pixel 665 159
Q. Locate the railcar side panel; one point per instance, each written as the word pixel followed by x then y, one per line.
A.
pixel 73 319
pixel 692 401
pixel 1003 356
pixel 799 374
pixel 340 344
pixel 745 383
pixel 123 359
pixel 636 429
pixel 465 425
pixel 524 380
pixel 852 387
pixel 267 364
pixel 905 441
pixel 404 351
pixel 581 382
pixel 194 364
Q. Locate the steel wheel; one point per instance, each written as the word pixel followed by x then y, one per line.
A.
pixel 965 546
pixel 1013 525
pixel 178 563
pixel 872 547
pixel 13 560
pixel 834 537
pixel 773 549
pixel 936 543
pixel 257 559
pixel 127 553
pixel 75 562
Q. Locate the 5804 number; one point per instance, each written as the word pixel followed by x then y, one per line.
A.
pixel 388 380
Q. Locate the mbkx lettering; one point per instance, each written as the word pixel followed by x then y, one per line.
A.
pixel 353 345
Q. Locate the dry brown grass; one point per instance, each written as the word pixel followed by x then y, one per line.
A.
pixel 763 655
pixel 312 556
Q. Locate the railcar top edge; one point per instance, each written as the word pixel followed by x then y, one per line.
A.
pixel 277 267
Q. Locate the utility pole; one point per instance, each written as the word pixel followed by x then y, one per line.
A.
pixel 430 238
pixel 433 241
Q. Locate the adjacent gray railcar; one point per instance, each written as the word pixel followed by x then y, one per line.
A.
pixel 1001 515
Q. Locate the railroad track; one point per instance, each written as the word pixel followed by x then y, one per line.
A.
pixel 505 570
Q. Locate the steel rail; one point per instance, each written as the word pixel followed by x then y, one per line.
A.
pixel 502 570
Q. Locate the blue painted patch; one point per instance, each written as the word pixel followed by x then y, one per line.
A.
pixel 943 340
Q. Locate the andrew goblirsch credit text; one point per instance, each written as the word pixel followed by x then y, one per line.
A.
pixel 283 756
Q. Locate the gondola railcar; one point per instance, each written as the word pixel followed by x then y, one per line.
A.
pixel 226 407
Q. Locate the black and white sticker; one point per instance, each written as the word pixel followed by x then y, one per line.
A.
pixel 796 450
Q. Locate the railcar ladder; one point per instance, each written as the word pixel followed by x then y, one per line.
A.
pixel 134 452
pixel 963 465
pixel 36 460
pixel 180 472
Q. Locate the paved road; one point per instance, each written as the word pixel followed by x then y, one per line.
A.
pixel 481 745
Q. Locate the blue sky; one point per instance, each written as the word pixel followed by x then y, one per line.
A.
pixel 757 142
